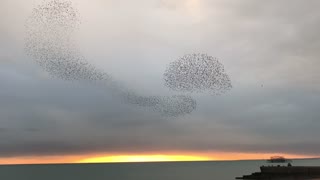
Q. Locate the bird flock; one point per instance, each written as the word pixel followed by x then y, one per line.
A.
pixel 51 44
pixel 197 73
pixel 167 106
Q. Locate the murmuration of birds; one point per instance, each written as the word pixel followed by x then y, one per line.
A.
pixel 50 43
pixel 171 106
pixel 197 73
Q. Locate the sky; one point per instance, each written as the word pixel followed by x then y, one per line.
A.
pixel 269 49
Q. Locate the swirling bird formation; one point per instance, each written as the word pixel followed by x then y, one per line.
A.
pixel 50 42
pixel 197 72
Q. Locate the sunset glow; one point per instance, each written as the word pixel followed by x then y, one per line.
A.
pixel 144 158
pixel 159 157
pixel 186 156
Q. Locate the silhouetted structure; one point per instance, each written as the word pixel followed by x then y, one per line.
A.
pixel 278 159
pixel 284 173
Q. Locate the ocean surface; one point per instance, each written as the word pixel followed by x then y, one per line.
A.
pixel 211 170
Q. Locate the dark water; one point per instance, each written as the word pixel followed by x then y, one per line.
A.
pixel 223 170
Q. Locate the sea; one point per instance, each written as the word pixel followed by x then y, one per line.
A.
pixel 206 170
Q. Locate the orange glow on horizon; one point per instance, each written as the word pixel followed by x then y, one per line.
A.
pixel 142 157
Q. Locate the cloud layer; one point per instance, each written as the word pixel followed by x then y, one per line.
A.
pixel 269 49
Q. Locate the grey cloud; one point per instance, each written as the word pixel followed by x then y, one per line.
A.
pixel 273 43
pixel 280 35
pixel 83 128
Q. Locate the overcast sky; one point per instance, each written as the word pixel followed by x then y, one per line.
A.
pixel 270 49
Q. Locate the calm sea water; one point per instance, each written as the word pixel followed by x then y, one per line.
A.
pixel 214 170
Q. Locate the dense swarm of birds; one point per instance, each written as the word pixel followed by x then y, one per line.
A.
pixel 172 106
pixel 197 73
pixel 50 43
pixel 176 105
